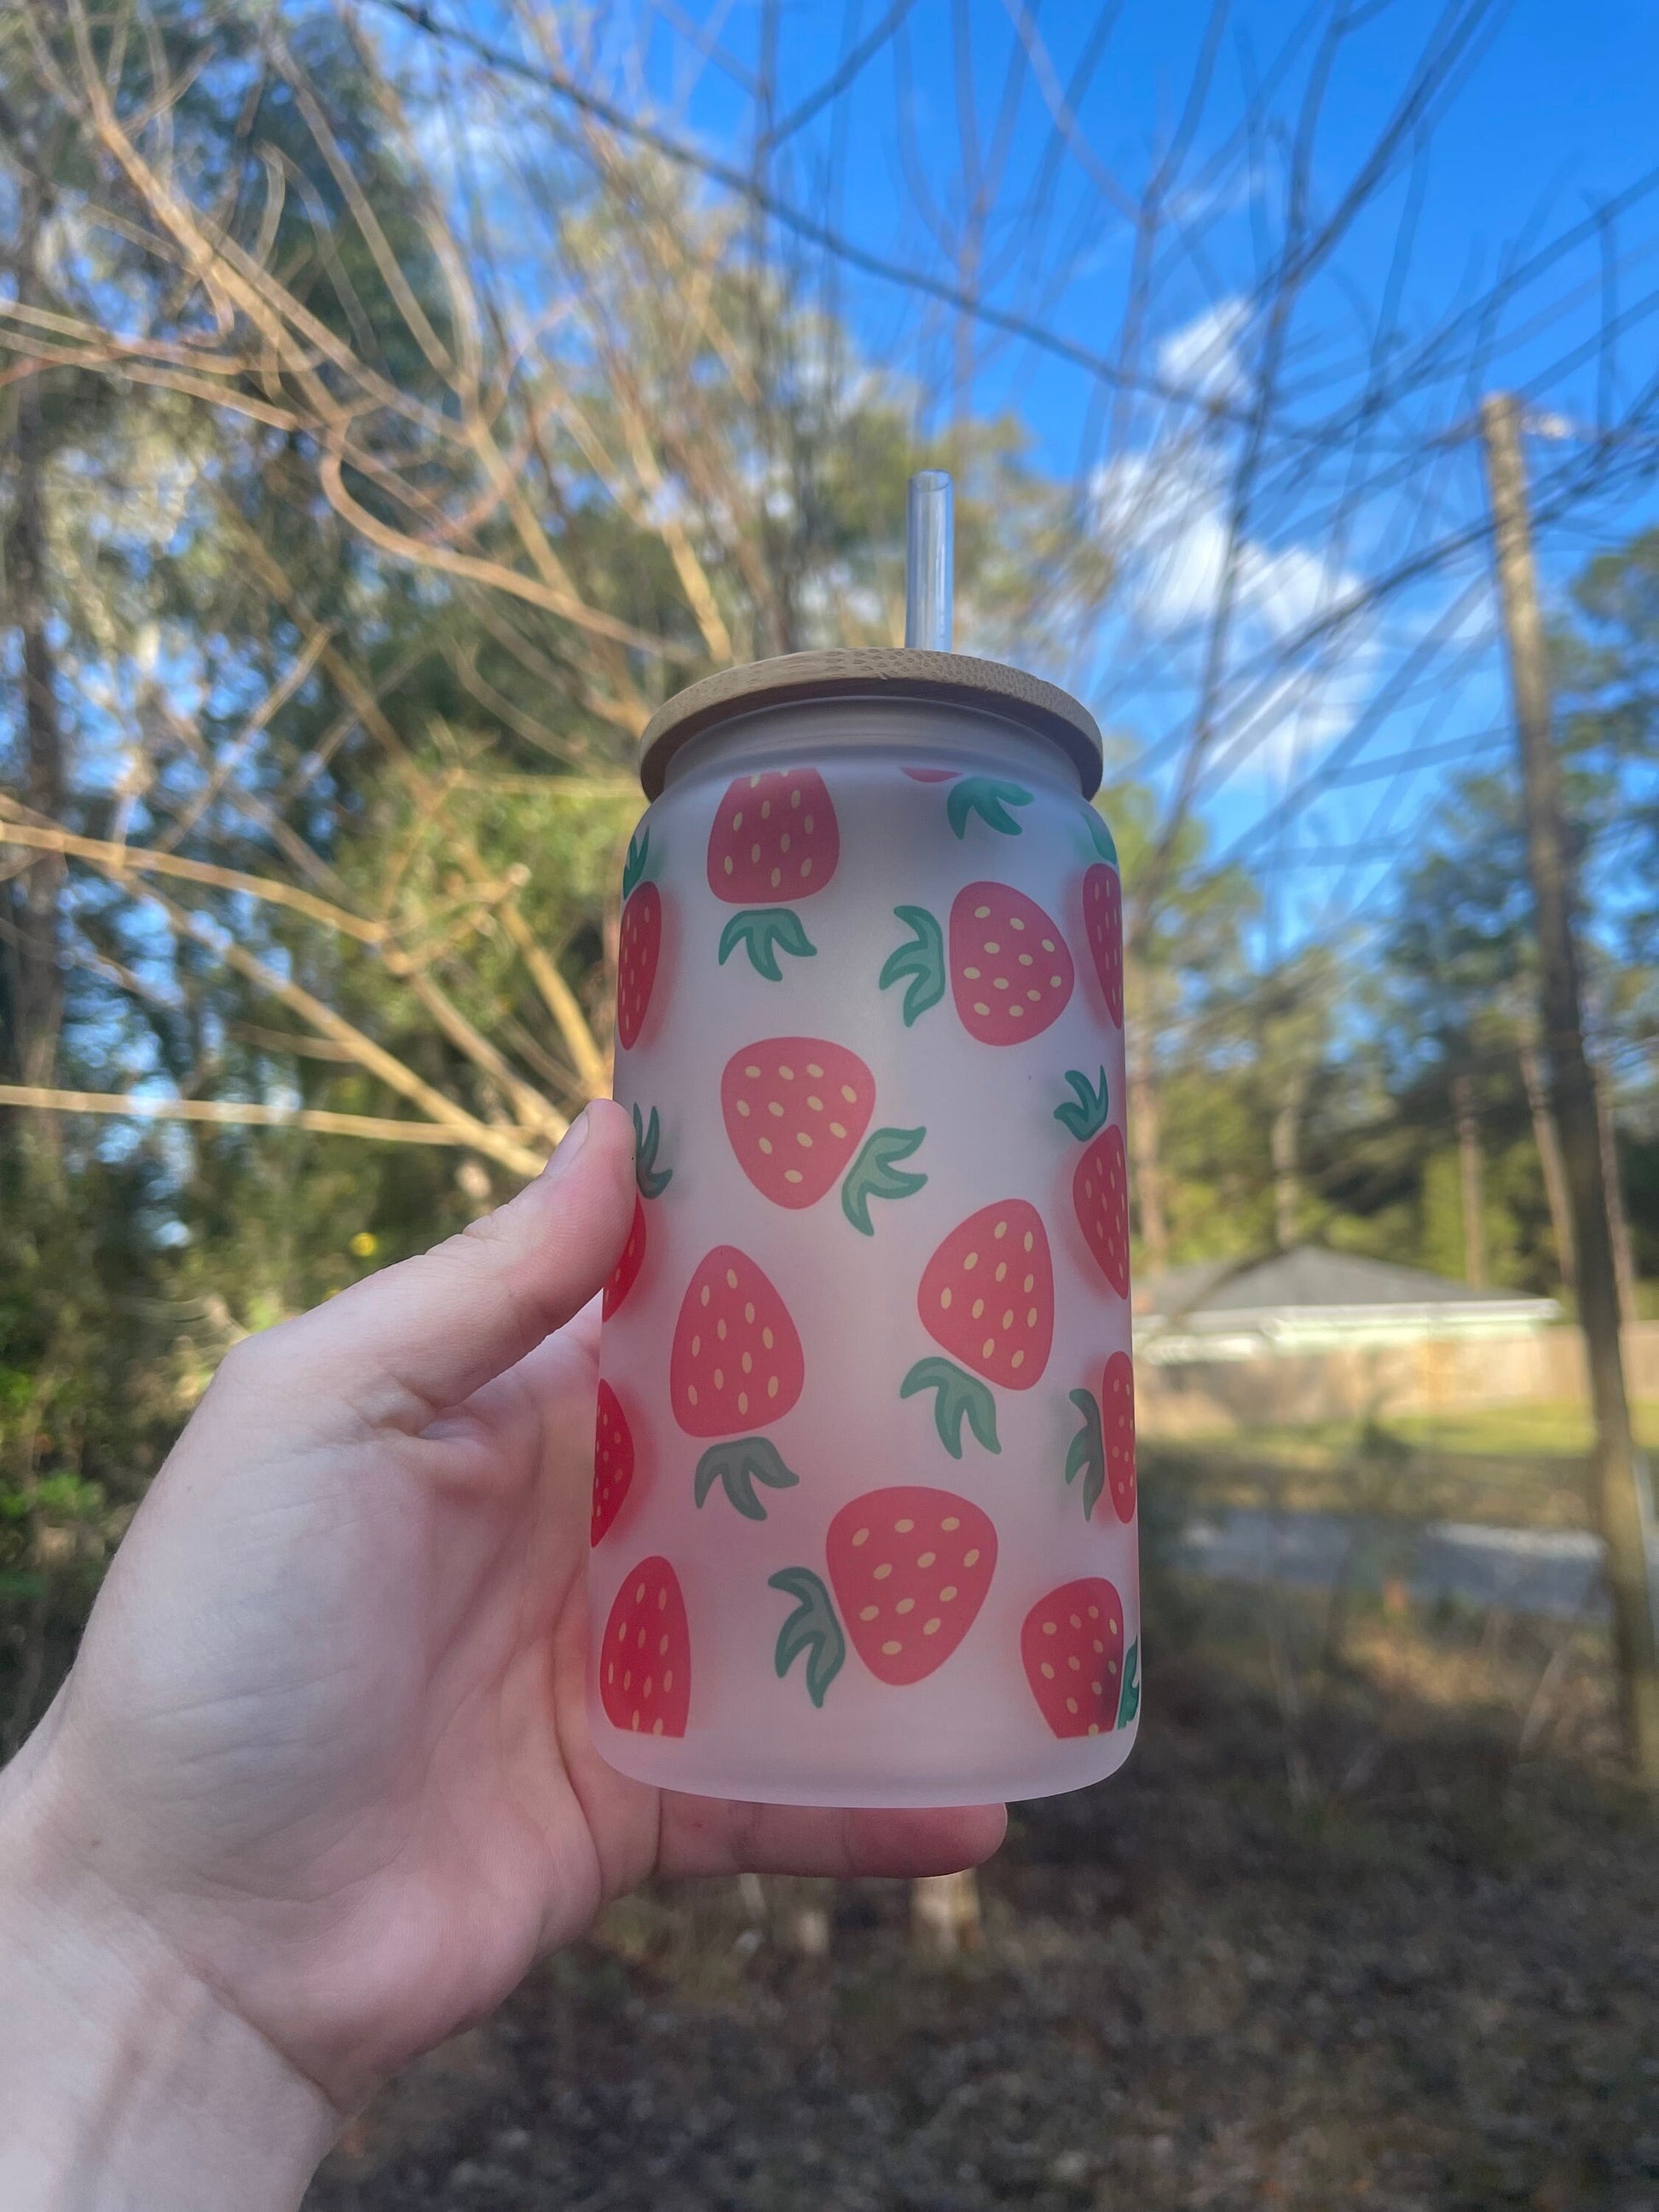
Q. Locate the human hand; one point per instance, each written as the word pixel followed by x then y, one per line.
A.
pixel 319 1787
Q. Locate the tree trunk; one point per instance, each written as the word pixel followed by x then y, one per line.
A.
pixel 1287 1133
pixel 34 938
pixel 1623 1260
pixel 1468 1166
pixel 1549 1160
pixel 1619 1484
pixel 944 1913
pixel 1143 1142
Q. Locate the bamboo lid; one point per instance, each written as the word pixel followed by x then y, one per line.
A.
pixel 878 674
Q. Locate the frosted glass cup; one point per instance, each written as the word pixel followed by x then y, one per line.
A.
pixel 864 1508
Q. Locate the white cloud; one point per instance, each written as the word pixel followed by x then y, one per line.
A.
pixel 1202 357
pixel 1164 514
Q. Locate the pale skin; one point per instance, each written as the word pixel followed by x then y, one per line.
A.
pixel 319 1788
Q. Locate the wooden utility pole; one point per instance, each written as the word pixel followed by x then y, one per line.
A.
pixel 1469 1181
pixel 1619 1478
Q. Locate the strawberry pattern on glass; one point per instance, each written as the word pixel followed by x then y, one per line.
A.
pixel 825 1301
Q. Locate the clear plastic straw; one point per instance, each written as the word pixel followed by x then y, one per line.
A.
pixel 929 562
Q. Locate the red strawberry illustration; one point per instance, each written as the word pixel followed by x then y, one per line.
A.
pixel 613 1462
pixel 909 1567
pixel 735 1366
pixel 639 947
pixel 795 1109
pixel 1072 1648
pixel 775 838
pixel 1104 1450
pixel 987 1296
pixel 653 1181
pixel 1103 921
pixel 645 1660
pixel 626 1271
pixel 1010 970
pixel 1100 1186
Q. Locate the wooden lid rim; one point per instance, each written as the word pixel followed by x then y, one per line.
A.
pixel 878 673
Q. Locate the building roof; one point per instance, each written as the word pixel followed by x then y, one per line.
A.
pixel 1309 1298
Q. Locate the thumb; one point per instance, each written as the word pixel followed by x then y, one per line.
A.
pixel 403 1345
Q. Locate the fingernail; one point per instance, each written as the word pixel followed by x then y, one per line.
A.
pixel 565 1151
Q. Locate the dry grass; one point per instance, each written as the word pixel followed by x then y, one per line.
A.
pixel 1373 1926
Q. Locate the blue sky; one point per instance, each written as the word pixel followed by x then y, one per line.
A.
pixel 1552 119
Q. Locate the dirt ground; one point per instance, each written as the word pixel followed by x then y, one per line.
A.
pixel 1376 1926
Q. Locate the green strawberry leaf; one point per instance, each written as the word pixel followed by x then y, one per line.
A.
pixel 638 850
pixel 1087 1456
pixel 647 1136
pixel 1129 1704
pixel 1101 836
pixel 763 931
pixel 812 1628
pixel 873 1175
pixel 922 960
pixel 990 797
pixel 737 1463
pixel 961 1397
pixel 1088 1116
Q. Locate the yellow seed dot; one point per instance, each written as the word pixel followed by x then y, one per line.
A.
pixel 990 944
pixel 754 852
pixel 971 1263
pixel 1049 1628
pixel 837 1129
pixel 1047 944
pixel 1047 1672
pixel 870 1612
pixel 743 1109
pixel 805 865
pixel 720 1378
pixel 777 877
pixel 766 809
pixel 979 1308
pixel 931 1627
pixel 880 1574
pixel 949 1521
pixel 925 1559
pixel 697 1347
pixel 944 1298
pixel 987 1347
pixel 981 1007
pixel 703 1300
pixel 748 1312
pixel 890 1651
pixel 905 1605
pixel 720 1330
pixel 766 1146
pixel 862 1536
pixel 742 1401
pixel 766 1338
pixel 816 1104
pixel 803 1139
pixel 736 819
pixel 1094 1728
pixel 772 1387
pixel 815 1071
pixel 726 864
pixel 668 1677
pixel 731 1278
pixel 774 1110
pixel 690 1394
pixel 1018 1359
pixel 971 1558
pixel 981 914
pixel 1071 1705
pixel 792 1175
pixel 947 1594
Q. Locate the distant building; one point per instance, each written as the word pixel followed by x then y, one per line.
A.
pixel 1310 1300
